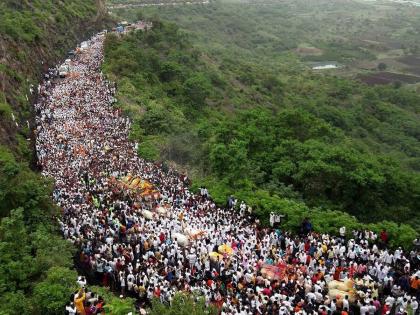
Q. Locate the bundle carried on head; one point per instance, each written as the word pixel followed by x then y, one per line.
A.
pixel 339 289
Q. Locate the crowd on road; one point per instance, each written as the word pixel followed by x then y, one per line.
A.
pixel 152 246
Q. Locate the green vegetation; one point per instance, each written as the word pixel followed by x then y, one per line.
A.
pixel 230 98
pixel 182 304
pixel 114 304
pixel 34 263
pixel 239 40
pixel 24 22
pixel 344 31
pixel 280 137
pixel 359 35
pixel 35 35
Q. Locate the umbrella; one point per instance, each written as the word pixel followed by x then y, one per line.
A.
pixel 225 249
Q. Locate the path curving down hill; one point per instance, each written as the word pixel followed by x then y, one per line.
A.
pixel 82 144
pixel 156 244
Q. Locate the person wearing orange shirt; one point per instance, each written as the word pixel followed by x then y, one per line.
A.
pixel 415 285
pixel 79 300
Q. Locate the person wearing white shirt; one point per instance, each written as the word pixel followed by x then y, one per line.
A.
pixel 391 300
pixel 130 281
pixel 346 304
pixel 81 281
pixel 389 259
pixel 71 309
pixel 397 253
pixel 364 309
pixel 342 232
pixel 371 308
pixel 333 305
pixel 318 296
pixel 311 297
pixel 381 273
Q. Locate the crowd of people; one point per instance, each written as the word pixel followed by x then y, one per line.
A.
pixel 84 301
pixel 152 246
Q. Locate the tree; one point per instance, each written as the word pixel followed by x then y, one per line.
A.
pixel 20 187
pixel 382 66
pixel 169 71
pixel 14 303
pixel 397 84
pixel 182 304
pixel 16 262
pixel 119 307
pixel 51 249
pixel 51 295
pixel 114 304
pixel 230 160
pixel 197 88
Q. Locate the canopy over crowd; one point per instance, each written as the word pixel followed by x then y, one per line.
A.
pixel 141 232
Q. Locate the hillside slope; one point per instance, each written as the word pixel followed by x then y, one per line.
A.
pixel 257 132
pixel 33 36
pixel 282 37
pixel 36 275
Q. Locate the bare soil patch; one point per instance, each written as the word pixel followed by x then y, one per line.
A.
pixel 415 70
pixel 308 51
pixel 412 60
pixel 388 78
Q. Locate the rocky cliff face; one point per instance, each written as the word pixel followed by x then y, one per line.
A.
pixel 34 36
